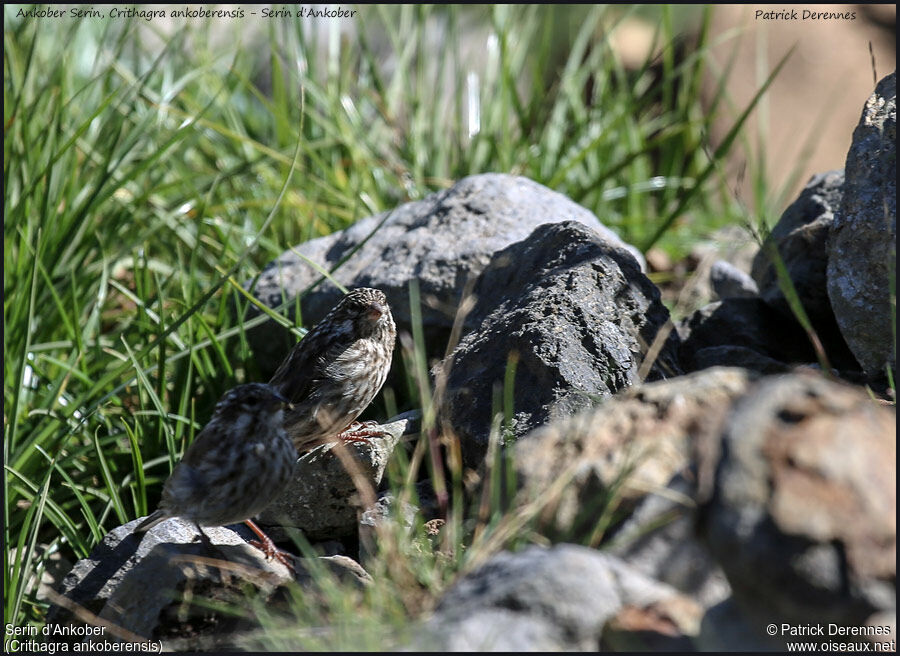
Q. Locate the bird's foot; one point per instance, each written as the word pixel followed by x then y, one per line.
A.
pixel 267 546
pixel 360 432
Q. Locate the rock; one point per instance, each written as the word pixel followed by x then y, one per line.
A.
pixel 325 497
pixel 634 443
pixel 885 623
pixel 547 600
pixel 97 579
pixel 743 332
pixel 658 539
pixel 730 355
pixel 441 242
pixel 145 584
pixel 388 510
pixel 733 246
pixel 669 624
pixel 730 282
pixel 862 248
pixel 801 237
pixel 802 512
pixel 577 314
pixel 725 628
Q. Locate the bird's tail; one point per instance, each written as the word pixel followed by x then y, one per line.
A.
pixel 152 520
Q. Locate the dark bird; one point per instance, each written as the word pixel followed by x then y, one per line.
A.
pixel 238 463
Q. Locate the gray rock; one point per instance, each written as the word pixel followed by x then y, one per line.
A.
pixel 862 248
pixel 122 555
pixel 327 491
pixel 540 599
pixel 388 511
pixel 728 281
pixel 144 584
pixel 733 245
pixel 579 316
pixel 802 512
pixel 441 242
pixel 742 332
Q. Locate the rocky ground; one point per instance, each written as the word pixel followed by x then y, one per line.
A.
pixel 753 484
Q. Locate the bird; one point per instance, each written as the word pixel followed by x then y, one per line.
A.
pixel 238 463
pixel 336 369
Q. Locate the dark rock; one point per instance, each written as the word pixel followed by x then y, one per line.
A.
pixel 576 313
pixel 802 512
pixel 440 242
pixel 744 332
pixel 546 600
pixel 329 487
pixel 729 355
pixel 730 282
pixel 862 248
pixel 659 540
pixel 725 628
pixel 801 237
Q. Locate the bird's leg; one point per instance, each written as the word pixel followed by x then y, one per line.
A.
pixel 204 538
pixel 360 432
pixel 267 546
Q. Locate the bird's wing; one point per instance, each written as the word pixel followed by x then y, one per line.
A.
pixel 185 488
pixel 207 440
pixel 303 370
pixel 286 379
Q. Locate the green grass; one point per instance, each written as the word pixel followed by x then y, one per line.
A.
pixel 145 175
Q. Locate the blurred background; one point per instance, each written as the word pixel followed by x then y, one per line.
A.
pixel 815 103
pixel 805 121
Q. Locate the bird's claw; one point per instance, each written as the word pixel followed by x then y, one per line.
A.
pixel 267 546
pixel 271 551
pixel 360 432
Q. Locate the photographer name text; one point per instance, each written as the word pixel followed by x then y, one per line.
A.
pixel 804 15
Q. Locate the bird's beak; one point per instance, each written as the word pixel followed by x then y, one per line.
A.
pixel 284 401
pixel 376 310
